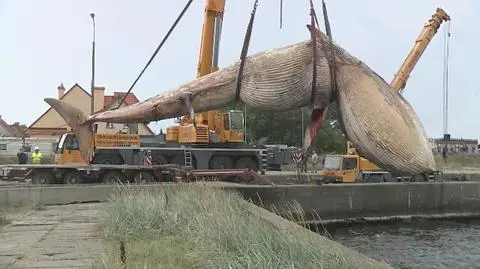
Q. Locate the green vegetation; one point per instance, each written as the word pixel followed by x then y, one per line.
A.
pixel 3 218
pixel 9 213
pixel 286 128
pixel 192 226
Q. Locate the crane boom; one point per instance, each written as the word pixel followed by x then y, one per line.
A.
pixel 210 127
pixel 209 46
pixel 210 42
pixel 428 32
pixel 400 79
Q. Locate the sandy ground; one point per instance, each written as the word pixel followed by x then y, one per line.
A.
pixel 66 236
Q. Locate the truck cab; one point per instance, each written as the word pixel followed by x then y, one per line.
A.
pixel 68 150
pixel 350 169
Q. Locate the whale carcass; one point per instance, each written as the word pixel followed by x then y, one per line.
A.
pixel 378 121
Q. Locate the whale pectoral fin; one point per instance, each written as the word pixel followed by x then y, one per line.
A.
pixel 187 98
pixel 316 120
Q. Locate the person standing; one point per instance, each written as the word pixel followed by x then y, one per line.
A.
pixel 36 156
pixel 314 161
pixel 22 156
pixel 444 154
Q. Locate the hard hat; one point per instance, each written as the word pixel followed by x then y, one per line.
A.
pixel 36 148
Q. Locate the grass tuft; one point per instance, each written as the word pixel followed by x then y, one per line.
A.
pixel 188 226
pixel 3 218
pixel 458 161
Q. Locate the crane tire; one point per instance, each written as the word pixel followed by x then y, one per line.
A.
pixel 221 162
pixel 246 162
pixel 73 178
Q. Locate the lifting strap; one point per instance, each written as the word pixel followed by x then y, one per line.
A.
pixel 243 55
pixel 313 33
pixel 331 61
pixel 157 50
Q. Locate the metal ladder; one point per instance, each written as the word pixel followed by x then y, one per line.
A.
pixel 187 152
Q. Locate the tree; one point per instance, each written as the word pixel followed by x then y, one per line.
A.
pixel 286 128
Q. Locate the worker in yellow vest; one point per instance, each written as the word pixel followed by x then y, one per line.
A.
pixel 36 156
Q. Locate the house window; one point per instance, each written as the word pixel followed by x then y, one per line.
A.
pixel 110 125
pixel 3 146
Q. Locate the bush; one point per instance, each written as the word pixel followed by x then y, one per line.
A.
pixel 3 218
pixel 200 227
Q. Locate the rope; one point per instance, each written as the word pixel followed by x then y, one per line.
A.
pixel 314 52
pixel 243 54
pixel 157 50
pixel 331 61
pixel 314 20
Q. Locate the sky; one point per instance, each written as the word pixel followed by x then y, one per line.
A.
pixel 45 43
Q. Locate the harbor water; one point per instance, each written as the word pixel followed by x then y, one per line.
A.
pixel 415 244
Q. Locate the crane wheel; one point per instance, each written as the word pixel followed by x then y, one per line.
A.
pixel 221 162
pixel 42 177
pixel 73 178
pixel 419 178
pixel 142 177
pixel 107 159
pixel 113 177
pixel 246 162
pixel 159 160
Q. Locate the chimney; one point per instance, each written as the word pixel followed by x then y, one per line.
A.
pixel 98 96
pixel 61 91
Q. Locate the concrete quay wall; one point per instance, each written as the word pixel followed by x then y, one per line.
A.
pixel 331 202
pixel 381 200
pixel 289 177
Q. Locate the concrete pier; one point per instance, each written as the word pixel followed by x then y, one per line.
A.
pixel 330 202
pixel 55 237
pixel 372 201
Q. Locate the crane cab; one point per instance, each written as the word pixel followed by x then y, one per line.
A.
pixel 233 126
pixel 225 127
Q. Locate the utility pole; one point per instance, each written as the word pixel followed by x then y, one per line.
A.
pixel 446 135
pixel 245 124
pixel 92 15
pixel 303 127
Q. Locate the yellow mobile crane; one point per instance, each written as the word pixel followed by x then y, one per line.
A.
pixel 351 167
pixel 211 126
pixel 215 141
pixel 400 79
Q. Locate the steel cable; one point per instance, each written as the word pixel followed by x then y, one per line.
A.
pixel 157 50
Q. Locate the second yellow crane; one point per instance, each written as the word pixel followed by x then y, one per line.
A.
pixel 400 79
pixel 351 167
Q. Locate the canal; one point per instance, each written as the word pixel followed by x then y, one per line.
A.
pixel 415 244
